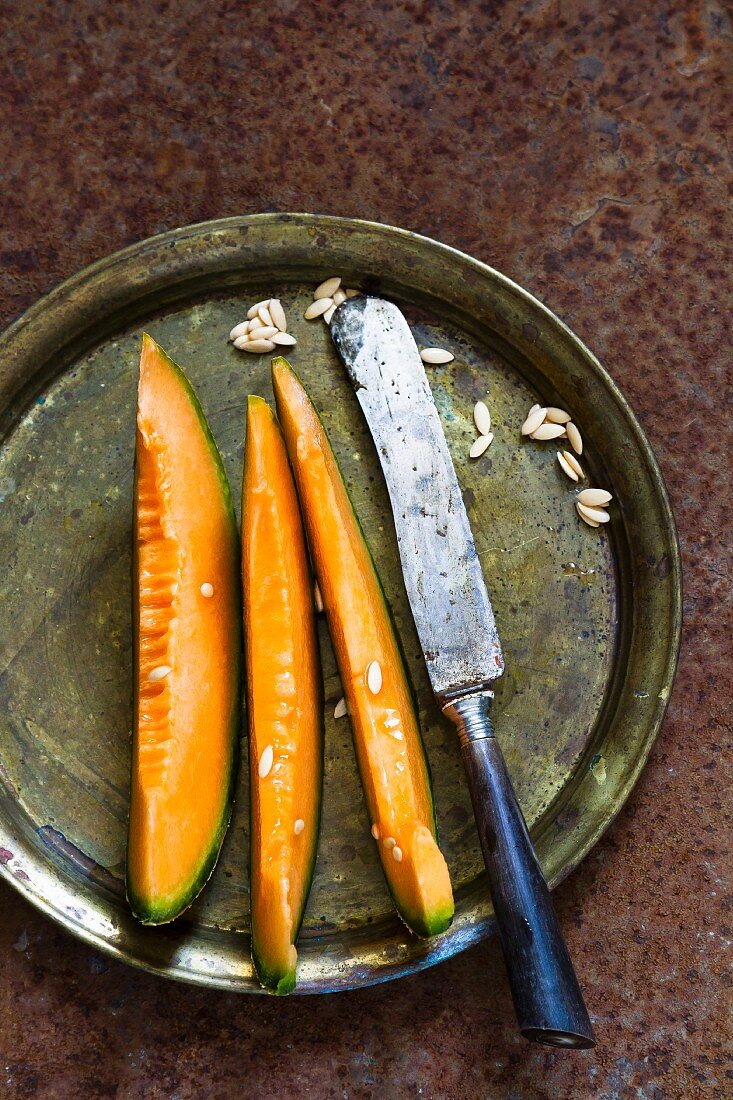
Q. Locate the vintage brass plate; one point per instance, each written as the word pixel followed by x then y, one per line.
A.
pixel 589 619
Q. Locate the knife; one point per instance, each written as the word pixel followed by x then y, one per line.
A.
pixel 457 631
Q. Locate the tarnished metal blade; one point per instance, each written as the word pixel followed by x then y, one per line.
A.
pixel 442 572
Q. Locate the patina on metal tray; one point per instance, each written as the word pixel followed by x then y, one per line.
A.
pixel 589 619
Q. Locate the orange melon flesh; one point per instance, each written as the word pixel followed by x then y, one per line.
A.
pixel 284 700
pixel 387 739
pixel 186 722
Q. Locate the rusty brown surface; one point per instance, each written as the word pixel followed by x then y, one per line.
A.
pixel 581 150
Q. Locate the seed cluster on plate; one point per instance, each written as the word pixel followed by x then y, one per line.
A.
pixel 590 508
pixel 265 329
pixel 544 423
pixel 326 297
pixel 482 420
pixel 570 465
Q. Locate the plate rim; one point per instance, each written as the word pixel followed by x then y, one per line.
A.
pixel 62 294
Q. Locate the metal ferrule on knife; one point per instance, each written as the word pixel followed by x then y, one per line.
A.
pixel 472 715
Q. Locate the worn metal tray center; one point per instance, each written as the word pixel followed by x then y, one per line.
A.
pixel 589 620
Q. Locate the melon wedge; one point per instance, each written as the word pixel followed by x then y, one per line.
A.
pixel 284 701
pixel 187 646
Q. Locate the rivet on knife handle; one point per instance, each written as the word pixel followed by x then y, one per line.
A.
pixel 545 990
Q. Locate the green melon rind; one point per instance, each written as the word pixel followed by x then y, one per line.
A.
pixel 155 913
pixel 146 910
pixel 272 979
pixel 421 923
pixel 426 924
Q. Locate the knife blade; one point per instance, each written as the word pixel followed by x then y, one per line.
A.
pixel 442 572
pixel 460 642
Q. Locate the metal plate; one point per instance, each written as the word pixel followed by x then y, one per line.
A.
pixel 589 619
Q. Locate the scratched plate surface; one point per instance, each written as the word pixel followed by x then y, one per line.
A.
pixel 589 620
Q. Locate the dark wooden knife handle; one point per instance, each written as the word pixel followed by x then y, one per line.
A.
pixel 545 990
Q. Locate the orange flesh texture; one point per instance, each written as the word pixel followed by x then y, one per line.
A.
pixel 392 767
pixel 283 696
pixel 183 742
